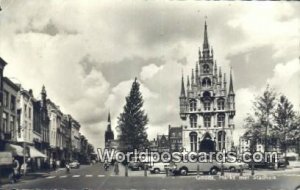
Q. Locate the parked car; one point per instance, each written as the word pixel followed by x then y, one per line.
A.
pixel 183 168
pixel 281 162
pixel 135 165
pixel 235 166
pixel 159 167
pixel 74 164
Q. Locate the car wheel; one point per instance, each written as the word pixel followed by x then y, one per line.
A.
pixel 183 171
pixel 157 170
pixel 232 169
pixel 213 171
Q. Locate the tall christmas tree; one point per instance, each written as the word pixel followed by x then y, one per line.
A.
pixel 132 122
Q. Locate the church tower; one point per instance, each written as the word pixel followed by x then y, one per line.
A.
pixel 109 134
pixel 207 108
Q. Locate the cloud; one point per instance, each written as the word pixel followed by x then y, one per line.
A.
pixel 149 70
pixel 286 80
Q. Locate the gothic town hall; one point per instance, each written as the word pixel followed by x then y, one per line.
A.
pixel 207 105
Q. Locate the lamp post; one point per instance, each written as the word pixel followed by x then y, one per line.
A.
pixel 252 147
pixel 222 141
pixel 24 157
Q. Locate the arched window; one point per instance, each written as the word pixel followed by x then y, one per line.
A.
pixel 206 82
pixel 193 120
pixel 221 120
pixel 205 69
pixel 206 101
pixel 221 139
pixel 193 140
pixel 221 104
pixel 207 120
pixel 193 105
pixel 206 105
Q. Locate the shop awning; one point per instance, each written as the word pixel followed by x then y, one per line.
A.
pixel 15 149
pixel 34 153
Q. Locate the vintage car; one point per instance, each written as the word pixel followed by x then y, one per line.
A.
pixel 159 167
pixel 183 168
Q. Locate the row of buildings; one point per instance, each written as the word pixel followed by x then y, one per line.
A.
pixel 35 130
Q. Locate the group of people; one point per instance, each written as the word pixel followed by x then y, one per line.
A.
pixel 116 167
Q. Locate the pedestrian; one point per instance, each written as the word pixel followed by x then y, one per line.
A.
pixel 67 168
pixel 54 164
pixel 106 165
pixel 116 170
pixel 15 171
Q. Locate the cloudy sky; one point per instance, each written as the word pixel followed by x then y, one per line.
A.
pixel 87 53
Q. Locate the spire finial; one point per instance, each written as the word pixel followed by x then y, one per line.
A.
pixel 182 94
pixel 193 77
pixel 205 43
pixel 188 82
pixel 224 81
pixel 108 119
pixel 231 92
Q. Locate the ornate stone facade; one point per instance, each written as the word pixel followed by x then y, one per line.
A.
pixel 207 107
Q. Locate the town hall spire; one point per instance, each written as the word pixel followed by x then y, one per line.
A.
pixel 205 42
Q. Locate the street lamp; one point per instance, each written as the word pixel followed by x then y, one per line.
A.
pixel 222 141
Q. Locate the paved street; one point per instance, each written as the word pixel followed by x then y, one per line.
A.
pixel 94 177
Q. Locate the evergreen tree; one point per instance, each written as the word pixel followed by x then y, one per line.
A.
pixel 132 122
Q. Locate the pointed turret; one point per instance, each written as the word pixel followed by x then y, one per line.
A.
pixel 224 82
pixel 231 92
pixel 182 99
pixel 216 69
pixel 205 42
pixel 197 73
pixel 188 83
pixel 182 93
pixel 220 75
pixel 199 53
pixel 193 77
pixel 231 96
pixel 108 118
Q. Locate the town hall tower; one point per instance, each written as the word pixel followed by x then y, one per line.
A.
pixel 207 105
